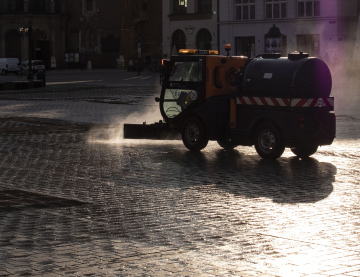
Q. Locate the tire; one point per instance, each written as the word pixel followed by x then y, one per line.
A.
pixel 268 141
pixel 3 72
pixel 193 134
pixel 304 151
pixel 226 144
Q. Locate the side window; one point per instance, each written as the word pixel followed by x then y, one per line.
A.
pixel 178 100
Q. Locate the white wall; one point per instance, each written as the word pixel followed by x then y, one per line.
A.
pixel 328 25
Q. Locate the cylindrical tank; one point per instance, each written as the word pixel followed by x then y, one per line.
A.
pixel 296 76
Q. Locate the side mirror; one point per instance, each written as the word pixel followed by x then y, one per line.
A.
pixel 157 99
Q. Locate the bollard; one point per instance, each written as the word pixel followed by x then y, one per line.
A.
pixel 41 76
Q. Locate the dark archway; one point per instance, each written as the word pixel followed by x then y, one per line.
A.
pixel 41 47
pixel 12 44
pixel 178 41
pixel 203 39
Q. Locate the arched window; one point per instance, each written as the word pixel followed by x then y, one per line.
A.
pixel 203 39
pixel 178 41
pixel 90 38
pixel 12 44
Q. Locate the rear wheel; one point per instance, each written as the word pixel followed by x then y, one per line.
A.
pixel 268 142
pixel 193 134
pixel 304 151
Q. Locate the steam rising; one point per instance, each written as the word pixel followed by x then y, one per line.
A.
pixel 113 133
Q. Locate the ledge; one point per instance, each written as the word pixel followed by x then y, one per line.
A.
pixel 192 16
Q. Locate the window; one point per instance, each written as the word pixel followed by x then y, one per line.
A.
pixel 204 6
pixel 203 40
pixel 309 44
pixel 178 100
pixel 245 46
pixel 275 9
pixel 244 9
pixel 142 6
pixel 179 6
pixel 308 8
pixel 89 5
pixel 178 41
pixel 36 5
pixel 90 39
pixel 17 5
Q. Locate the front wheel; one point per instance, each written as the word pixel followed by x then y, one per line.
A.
pixel 268 142
pixel 193 134
pixel 304 151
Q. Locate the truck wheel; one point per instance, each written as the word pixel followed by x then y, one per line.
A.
pixel 193 134
pixel 304 151
pixel 268 142
pixel 226 144
pixel 3 72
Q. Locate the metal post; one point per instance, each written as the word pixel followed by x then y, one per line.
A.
pixel 30 77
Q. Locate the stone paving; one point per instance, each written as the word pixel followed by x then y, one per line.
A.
pixel 77 200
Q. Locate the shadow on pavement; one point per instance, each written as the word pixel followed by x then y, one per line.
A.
pixel 286 180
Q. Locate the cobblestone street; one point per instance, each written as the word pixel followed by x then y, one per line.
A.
pixel 76 199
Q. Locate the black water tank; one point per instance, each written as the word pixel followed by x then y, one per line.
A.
pixel 296 76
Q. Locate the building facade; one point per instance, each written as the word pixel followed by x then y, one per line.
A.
pixel 110 33
pixel 48 29
pixel 322 28
pixel 106 33
pixel 189 24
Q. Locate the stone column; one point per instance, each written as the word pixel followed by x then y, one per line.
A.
pixel 26 6
pixel 52 6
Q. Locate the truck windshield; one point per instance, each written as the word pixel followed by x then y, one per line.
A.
pixel 187 72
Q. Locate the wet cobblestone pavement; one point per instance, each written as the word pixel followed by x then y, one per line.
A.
pixel 77 200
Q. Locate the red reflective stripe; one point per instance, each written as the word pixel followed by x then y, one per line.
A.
pixel 242 100
pixel 327 102
pixel 301 103
pixel 263 101
pixel 314 102
pixel 274 100
pixel 286 101
pixel 252 100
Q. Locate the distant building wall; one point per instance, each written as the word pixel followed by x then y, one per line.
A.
pixel 323 28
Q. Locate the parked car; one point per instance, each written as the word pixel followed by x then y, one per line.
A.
pixel 36 66
pixel 9 65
